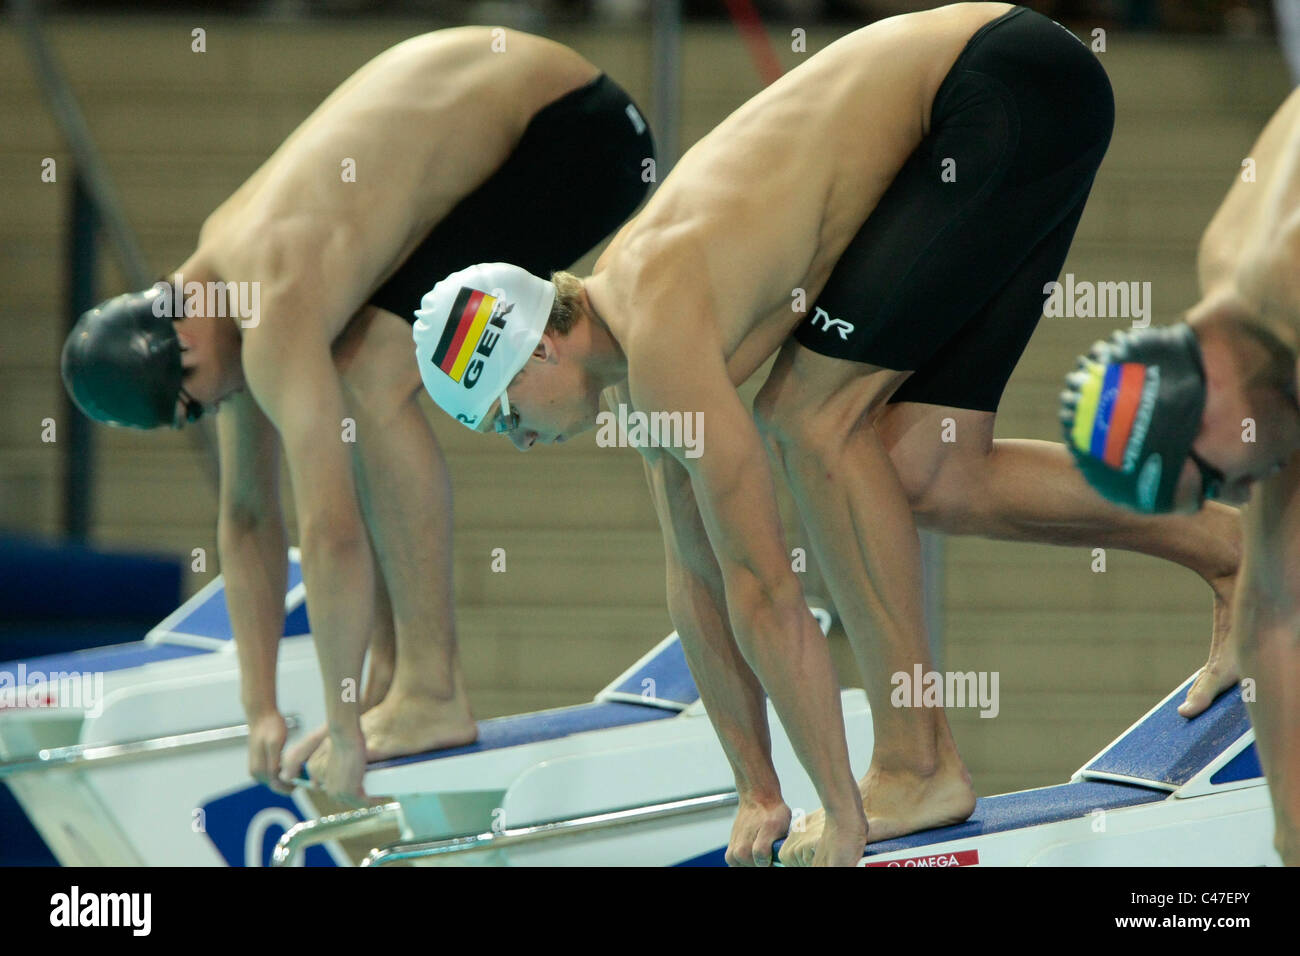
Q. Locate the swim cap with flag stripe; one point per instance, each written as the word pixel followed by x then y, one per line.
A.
pixel 1131 411
pixel 474 332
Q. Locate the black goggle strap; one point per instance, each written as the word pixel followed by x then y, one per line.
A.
pixel 193 410
pixel 1211 478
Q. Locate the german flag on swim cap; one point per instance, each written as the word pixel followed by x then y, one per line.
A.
pixel 474 331
pixel 469 318
pixel 1131 411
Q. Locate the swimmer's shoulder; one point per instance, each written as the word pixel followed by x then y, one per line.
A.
pixel 651 286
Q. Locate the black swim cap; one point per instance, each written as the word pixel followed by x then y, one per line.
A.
pixel 1131 412
pixel 122 361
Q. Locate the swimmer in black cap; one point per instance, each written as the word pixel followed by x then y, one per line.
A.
pixel 294 313
pixel 883 220
pixel 1166 419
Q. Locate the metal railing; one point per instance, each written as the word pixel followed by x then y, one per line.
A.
pixel 78 756
pixel 334 826
pixel 95 205
pixel 404 850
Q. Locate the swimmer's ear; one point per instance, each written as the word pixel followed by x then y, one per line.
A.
pixel 545 350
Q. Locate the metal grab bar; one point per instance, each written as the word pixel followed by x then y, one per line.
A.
pixel 71 122
pixel 475 843
pixel 333 826
pixel 95 202
pixel 76 755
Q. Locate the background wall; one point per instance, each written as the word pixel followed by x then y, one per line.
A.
pixel 1080 655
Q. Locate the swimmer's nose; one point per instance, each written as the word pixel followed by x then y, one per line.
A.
pixel 523 441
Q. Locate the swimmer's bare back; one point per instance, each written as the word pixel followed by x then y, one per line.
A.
pixel 766 203
pixel 423 124
pixel 1251 248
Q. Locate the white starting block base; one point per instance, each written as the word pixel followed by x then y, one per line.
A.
pixel 158 775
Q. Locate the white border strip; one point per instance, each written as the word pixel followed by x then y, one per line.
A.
pixel 624 697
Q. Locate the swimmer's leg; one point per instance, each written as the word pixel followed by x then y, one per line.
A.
pixel 406 499
pixel 814 414
pixel 1018 490
pixel 382 660
pixel 1028 490
pixel 1268 618
pixel 380 663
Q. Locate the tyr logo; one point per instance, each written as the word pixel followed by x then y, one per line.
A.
pixel 844 328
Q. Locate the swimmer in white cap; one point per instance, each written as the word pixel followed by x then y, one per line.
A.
pixel 819 223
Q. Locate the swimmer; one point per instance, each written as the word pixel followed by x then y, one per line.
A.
pixel 1177 418
pixel 452 147
pixel 883 219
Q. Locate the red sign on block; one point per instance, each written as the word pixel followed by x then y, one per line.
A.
pixel 960 858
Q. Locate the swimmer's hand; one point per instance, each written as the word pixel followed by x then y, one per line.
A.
pixel 339 767
pixel 296 757
pixel 759 823
pixel 843 840
pixel 267 733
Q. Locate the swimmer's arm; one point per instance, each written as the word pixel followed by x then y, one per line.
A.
pixel 1266 621
pixel 736 496
pixel 733 698
pixel 290 371
pixel 253 544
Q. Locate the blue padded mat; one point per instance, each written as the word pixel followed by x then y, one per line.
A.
pixel 114 658
pixel 1011 811
pixel 1169 749
pixel 1007 811
pixel 212 617
pixel 672 678
pixel 546 725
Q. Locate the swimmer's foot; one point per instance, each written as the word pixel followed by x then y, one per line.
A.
pixel 897 803
pixel 404 724
pixel 1221 670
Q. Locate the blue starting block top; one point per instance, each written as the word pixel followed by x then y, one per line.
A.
pixel 532 728
pixel 115 657
pixel 1168 749
pixel 1013 811
pixel 206 615
pixel 659 679
pixel 1007 811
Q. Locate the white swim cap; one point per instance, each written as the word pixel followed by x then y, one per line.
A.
pixel 474 331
